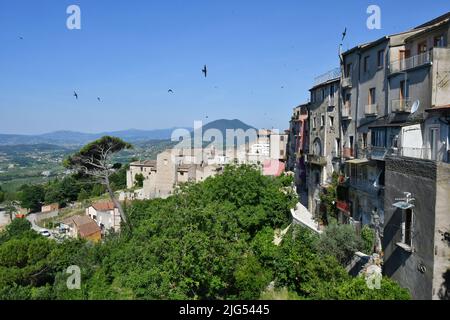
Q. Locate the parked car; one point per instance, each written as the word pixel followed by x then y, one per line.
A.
pixel 45 233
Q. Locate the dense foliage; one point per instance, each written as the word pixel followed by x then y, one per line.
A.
pixel 212 240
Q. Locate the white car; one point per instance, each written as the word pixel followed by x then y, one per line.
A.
pixel 45 233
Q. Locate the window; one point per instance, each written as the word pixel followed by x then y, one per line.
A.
pixel 348 100
pixel 378 138
pixel 322 120
pixel 372 96
pixel 404 54
pixel 282 138
pixel 407 227
pixel 404 90
pixel 366 63
pixel 348 70
pixel 281 153
pixel 314 122
pixel 422 47
pixel 439 41
pixel 323 94
pixel 331 121
pixel 332 91
pixel 380 60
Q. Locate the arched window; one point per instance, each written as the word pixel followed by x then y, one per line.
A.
pixel 317 147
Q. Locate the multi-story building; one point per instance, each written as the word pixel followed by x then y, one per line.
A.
pixel 324 136
pixel 297 148
pixel 395 116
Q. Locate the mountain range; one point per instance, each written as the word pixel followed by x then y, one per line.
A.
pixel 72 138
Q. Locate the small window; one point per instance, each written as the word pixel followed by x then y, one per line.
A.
pixel 372 96
pixel 332 91
pixel 281 153
pixel 407 227
pixel 281 138
pixel 331 121
pixel 364 140
pixel 314 122
pixel 348 70
pixel 439 41
pixel 422 47
pixel 322 120
pixel 380 60
pixel 366 63
pixel 323 94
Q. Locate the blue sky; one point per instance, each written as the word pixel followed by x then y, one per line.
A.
pixel 130 53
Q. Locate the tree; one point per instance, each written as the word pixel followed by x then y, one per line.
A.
pixel 2 195
pixel 32 197
pixel 11 209
pixel 95 160
pixel 17 227
pixel 340 241
pixel 139 180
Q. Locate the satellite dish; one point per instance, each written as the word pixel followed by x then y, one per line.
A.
pixel 415 106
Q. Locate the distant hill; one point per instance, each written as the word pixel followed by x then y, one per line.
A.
pixel 71 138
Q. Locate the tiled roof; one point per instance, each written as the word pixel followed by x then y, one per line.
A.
pixel 104 206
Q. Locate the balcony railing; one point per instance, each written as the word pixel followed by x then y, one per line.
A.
pixel 330 75
pixel 347 82
pixel 371 110
pixel 411 62
pixel 377 153
pixel 346 112
pixel 318 160
pixel 401 106
pixel 348 153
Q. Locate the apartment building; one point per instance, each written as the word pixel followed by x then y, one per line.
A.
pixel 298 145
pixel 324 136
pixel 394 124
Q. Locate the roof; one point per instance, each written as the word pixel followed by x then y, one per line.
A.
pixel 439 108
pixel 103 205
pixel 434 21
pixel 85 225
pixel 145 163
pixel 273 167
pixel 88 229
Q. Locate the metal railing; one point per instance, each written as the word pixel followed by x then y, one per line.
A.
pixel 330 75
pixel 411 62
pixel 401 105
pixel 371 110
pixel 377 153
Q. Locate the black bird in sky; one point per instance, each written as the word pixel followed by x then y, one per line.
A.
pixel 205 71
pixel 75 95
pixel 99 100
pixel 170 91
pixel 21 38
pixel 344 34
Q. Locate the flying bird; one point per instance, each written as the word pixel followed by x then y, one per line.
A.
pixel 344 34
pixel 75 95
pixel 21 38
pixel 99 100
pixel 205 71
pixel 170 91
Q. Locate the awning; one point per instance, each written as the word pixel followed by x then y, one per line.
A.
pixel 403 205
pixel 358 161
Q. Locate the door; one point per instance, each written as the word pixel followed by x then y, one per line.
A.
pixel 434 143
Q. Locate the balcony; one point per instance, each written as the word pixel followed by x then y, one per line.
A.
pixel 371 110
pixel 317 160
pixel 348 153
pixel 412 62
pixel 378 153
pixel 347 82
pixel 401 106
pixel 346 113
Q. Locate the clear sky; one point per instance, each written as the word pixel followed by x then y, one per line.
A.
pixel 130 52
